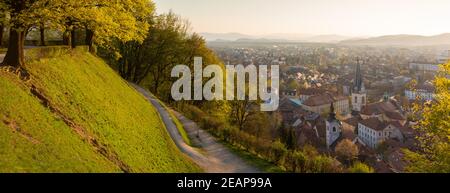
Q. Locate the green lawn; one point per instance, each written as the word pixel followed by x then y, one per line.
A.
pixel 84 89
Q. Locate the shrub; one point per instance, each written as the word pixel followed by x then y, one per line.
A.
pixel 359 167
pixel 279 152
pixel 193 112
pixel 299 161
pixel 212 123
pixel 324 164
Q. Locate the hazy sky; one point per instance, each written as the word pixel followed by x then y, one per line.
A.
pixel 344 17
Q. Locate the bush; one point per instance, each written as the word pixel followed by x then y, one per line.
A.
pixel 212 123
pixel 359 167
pixel 324 164
pixel 299 161
pixel 193 112
pixel 307 159
pixel 279 152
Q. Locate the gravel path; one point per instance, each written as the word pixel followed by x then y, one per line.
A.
pixel 212 156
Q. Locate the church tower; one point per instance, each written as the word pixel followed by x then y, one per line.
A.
pixel 333 127
pixel 359 96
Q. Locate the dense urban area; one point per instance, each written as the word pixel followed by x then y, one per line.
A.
pixel 352 102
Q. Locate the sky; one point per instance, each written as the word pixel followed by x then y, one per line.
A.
pixel 314 17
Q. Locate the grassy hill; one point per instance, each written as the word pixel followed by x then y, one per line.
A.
pixel 75 114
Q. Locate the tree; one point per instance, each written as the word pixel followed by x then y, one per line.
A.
pixel 3 19
pixel 112 19
pixel 167 43
pixel 162 48
pixel 108 20
pixel 293 84
pixel 241 111
pixel 259 124
pixel 359 167
pixel 1 34
pixel 24 14
pixel 434 130
pixel 288 136
pixel 17 9
pixel 346 150
pixel 42 34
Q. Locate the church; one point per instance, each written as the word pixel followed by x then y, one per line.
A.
pixel 334 127
pixel 359 95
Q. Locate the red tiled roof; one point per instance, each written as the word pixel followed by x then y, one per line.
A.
pixel 426 87
pixel 323 99
pixel 374 123
pixel 394 115
pixel 311 91
pixel 378 108
pixel 396 124
pixel 353 121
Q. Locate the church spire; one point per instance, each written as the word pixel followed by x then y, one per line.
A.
pixel 332 115
pixel 358 77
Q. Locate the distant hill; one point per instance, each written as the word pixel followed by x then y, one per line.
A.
pixel 238 37
pixel 259 40
pixel 224 36
pixel 76 114
pixel 402 40
pixel 327 38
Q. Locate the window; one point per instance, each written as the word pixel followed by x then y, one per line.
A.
pixel 356 99
pixel 334 129
pixel 363 100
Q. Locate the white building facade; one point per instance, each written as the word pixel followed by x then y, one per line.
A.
pixel 373 136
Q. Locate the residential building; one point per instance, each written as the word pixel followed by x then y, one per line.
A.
pixel 373 131
pixel 305 93
pixel 423 92
pixel 424 67
pixel 321 103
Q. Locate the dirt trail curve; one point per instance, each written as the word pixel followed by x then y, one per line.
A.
pixel 213 157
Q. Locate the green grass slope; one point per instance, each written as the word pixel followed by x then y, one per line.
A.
pixel 76 114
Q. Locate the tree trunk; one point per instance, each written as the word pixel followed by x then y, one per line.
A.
pixel 1 35
pixel 15 54
pixel 67 39
pixel 42 29
pixel 73 38
pixel 89 40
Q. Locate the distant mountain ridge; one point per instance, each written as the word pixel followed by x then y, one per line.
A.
pixel 238 37
pixel 402 40
pixel 388 40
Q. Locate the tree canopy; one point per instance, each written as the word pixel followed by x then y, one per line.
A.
pixel 434 130
pixel 106 20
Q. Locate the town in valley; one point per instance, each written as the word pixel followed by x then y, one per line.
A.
pixel 330 93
